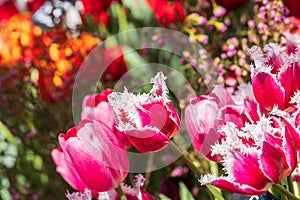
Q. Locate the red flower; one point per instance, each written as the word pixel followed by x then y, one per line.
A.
pixel 230 5
pixel 7 10
pixel 96 107
pixel 293 6
pixel 98 9
pixel 166 12
pixel 275 76
pixel 93 157
pixel 149 120
pixel 34 5
pixel 113 64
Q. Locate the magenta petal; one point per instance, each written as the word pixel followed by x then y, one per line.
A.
pixel 267 91
pixel 97 156
pixel 231 186
pixel 245 170
pixel 272 158
pixel 291 137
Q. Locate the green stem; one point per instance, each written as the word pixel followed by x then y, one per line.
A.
pixel 287 193
pixel 216 193
pixel 290 184
pixel 121 193
pixel 185 159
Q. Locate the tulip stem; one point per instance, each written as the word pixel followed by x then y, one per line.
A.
pixel 216 193
pixel 290 184
pixel 185 159
pixel 121 193
pixel 287 193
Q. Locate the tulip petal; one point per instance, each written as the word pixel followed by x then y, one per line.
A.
pixel 272 158
pixel 267 91
pixel 232 186
pixel 97 156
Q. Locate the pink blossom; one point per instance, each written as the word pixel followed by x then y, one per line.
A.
pixel 149 120
pixel 91 157
pixel 96 107
pixel 206 114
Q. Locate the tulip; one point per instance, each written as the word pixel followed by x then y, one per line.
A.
pixel 93 152
pixel 96 107
pixel 254 157
pixel 293 6
pixel 113 63
pixel 148 120
pixel 275 77
pixel 67 171
pixel 166 12
pixel 206 114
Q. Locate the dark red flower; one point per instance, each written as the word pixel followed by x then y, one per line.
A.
pixel 293 6
pixel 230 5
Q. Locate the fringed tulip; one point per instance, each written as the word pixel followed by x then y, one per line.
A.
pixel 254 157
pixel 93 157
pixel 206 114
pixel 149 120
pixel 275 76
pixel 96 107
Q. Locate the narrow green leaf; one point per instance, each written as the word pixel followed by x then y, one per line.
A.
pixel 184 192
pixel 215 192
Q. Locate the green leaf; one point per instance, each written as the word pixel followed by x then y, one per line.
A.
pixel 184 192
pixel 215 192
pixel 4 131
pixel 140 10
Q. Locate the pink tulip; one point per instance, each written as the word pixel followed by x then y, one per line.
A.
pixel 149 120
pixel 208 113
pixel 275 76
pixel 254 157
pixel 93 157
pixel 96 107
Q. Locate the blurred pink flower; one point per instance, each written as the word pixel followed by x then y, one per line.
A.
pixel 206 114
pixel 275 76
pixel 92 157
pixel 149 120
pixel 96 107
pixel 254 157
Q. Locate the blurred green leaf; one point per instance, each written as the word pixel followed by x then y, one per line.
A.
pixel 163 197
pixel 184 192
pixel 4 131
pixel 140 11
